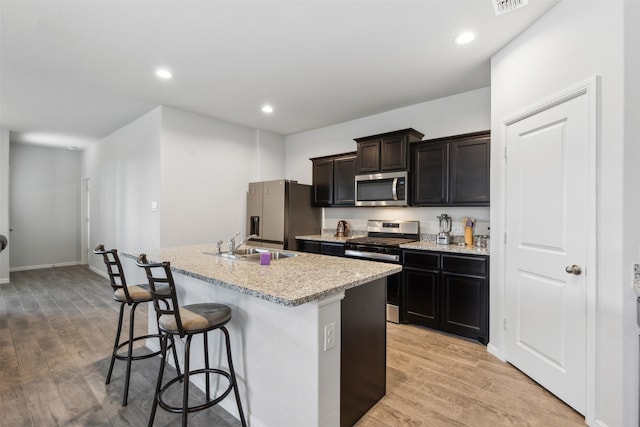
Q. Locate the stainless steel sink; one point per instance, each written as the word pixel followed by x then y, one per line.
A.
pixel 274 255
pixel 253 254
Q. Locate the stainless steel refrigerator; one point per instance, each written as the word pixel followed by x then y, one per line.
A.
pixel 278 211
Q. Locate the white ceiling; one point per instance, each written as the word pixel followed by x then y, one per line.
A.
pixel 72 72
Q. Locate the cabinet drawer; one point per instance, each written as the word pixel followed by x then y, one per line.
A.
pixel 311 246
pixel 465 264
pixel 335 249
pixel 421 259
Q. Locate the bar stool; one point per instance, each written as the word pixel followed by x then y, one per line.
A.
pixel 188 321
pixel 128 296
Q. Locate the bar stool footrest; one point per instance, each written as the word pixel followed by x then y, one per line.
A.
pixel 124 344
pixel 205 405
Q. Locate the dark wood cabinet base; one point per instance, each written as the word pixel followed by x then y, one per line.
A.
pixel 449 292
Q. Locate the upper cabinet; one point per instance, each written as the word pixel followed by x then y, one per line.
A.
pixel 385 152
pixel 334 180
pixel 452 171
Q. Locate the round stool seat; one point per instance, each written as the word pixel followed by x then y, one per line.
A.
pixel 197 318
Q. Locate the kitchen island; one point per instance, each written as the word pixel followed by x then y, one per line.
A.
pixel 302 329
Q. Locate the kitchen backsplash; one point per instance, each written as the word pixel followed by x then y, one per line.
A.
pixel 429 225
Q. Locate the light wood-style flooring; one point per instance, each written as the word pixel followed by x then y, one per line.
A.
pixel 57 327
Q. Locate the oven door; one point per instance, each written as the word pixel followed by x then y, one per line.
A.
pixel 394 281
pixel 393 297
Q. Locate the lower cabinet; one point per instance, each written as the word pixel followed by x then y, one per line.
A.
pixel 318 247
pixel 449 292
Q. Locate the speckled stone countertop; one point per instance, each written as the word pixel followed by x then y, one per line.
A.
pixel 423 245
pixel 324 238
pixel 289 281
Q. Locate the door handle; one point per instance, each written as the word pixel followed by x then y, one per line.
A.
pixel 574 269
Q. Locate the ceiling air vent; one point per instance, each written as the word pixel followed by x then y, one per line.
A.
pixel 504 6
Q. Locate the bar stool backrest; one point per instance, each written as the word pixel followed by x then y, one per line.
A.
pixel 114 269
pixel 162 288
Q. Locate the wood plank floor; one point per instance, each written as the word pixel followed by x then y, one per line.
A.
pixel 57 326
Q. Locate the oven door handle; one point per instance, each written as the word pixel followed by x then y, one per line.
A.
pixel 372 255
pixel 394 189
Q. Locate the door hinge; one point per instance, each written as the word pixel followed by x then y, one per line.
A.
pixel 505 153
pixel 505 237
pixel 504 323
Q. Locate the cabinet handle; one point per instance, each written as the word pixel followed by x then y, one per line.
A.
pixel 394 189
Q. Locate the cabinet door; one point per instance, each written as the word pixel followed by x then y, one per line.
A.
pixel 421 297
pixel 393 153
pixel 469 178
pixel 369 156
pixel 344 172
pixel 465 306
pixel 323 182
pixel 430 174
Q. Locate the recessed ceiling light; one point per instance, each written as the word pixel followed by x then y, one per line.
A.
pixel 267 109
pixel 465 37
pixel 163 73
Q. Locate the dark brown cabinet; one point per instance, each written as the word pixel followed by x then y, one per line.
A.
pixel 318 247
pixel 449 292
pixel 385 152
pixel 452 171
pixel 334 180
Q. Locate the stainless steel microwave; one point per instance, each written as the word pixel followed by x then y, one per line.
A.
pixel 382 189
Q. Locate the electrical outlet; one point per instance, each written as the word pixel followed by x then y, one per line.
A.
pixel 329 336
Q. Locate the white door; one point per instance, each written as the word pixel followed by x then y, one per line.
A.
pixel 546 247
pixel 87 250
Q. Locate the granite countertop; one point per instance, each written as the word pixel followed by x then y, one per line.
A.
pixel 324 238
pixel 423 245
pixel 290 281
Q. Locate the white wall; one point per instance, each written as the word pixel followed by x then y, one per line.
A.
pixel 207 165
pixel 44 206
pixel 462 113
pixel 573 42
pixel 4 203
pixel 124 173
pixel 631 199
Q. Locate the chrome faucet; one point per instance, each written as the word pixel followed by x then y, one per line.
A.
pixel 232 242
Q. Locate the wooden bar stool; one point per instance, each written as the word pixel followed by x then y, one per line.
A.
pixel 128 296
pixel 188 321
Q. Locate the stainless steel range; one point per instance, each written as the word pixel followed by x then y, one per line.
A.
pixel 382 243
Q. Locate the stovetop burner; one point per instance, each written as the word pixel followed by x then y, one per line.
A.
pixel 381 241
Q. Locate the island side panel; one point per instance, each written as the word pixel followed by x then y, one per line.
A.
pixel 364 350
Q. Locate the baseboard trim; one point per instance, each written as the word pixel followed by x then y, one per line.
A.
pixel 38 267
pixel 103 274
pixel 4 281
pixel 492 349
